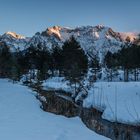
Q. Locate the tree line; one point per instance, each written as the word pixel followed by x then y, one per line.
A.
pixel 69 60
pixel 126 59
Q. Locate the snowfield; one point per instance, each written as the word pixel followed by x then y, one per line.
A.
pixel 119 101
pixel 57 83
pixel 22 119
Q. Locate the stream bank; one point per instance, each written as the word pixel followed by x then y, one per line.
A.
pixel 61 103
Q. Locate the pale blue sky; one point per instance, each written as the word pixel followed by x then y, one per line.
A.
pixel 29 16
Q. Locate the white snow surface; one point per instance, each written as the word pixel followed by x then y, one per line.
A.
pixel 22 119
pixel 119 101
pixel 57 83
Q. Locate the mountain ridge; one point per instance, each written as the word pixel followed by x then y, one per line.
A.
pixel 95 40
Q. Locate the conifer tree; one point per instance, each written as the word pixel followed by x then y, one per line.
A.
pixel 57 58
pixel 75 61
pixel 5 60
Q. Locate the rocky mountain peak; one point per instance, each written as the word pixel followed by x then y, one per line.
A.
pixel 14 35
pixel 55 30
pixel 95 40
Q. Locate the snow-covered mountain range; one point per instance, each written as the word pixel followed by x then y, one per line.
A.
pixel 14 41
pixel 95 40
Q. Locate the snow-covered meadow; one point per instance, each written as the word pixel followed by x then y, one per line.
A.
pixel 22 119
pixel 119 101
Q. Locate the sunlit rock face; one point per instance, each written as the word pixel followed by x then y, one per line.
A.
pixel 15 35
pixel 52 31
pixel 131 35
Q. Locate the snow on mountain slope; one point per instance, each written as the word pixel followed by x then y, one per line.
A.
pixel 95 40
pixel 22 119
pixel 46 41
pixel 14 41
